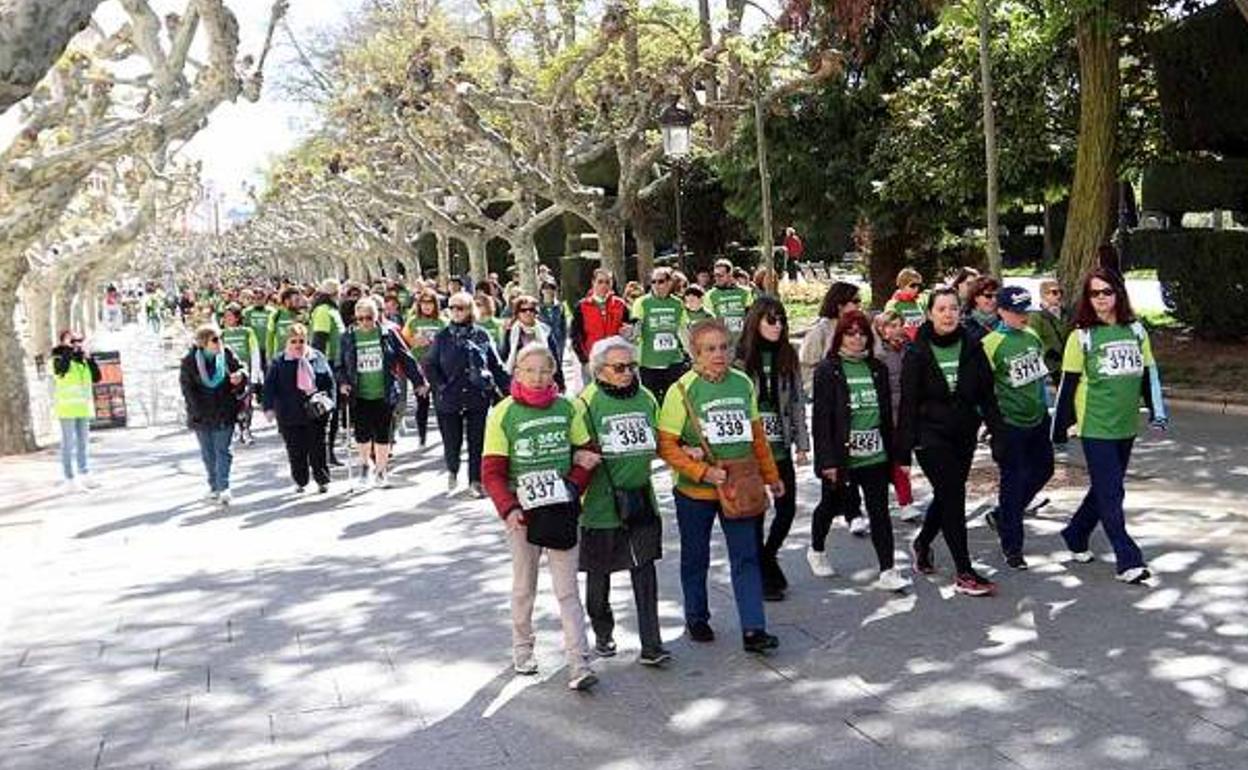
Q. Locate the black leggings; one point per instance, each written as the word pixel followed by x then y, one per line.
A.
pixel 947 469
pixel 782 521
pixel 305 450
pixel 422 416
pixel 455 427
pixel 833 499
pixel 657 381
pixel 873 482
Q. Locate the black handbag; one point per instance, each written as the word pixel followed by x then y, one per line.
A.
pixel 553 526
pixel 635 507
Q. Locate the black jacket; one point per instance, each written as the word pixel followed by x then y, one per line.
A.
pixel 282 395
pixel 931 417
pixel 464 370
pixel 830 404
pixel 208 408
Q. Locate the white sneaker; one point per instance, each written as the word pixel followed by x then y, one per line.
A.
pixel 583 680
pixel 1135 575
pixel 89 483
pixel 76 484
pixel 859 527
pixel 451 483
pixel 525 666
pixel 383 479
pixel 1083 557
pixel 475 491
pixel 211 497
pixel 225 498
pixel 892 580
pixel 911 513
pixel 819 564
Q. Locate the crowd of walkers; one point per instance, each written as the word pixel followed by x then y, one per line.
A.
pixel 700 376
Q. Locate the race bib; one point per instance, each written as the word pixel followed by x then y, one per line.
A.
pixel 1026 368
pixel 369 360
pixel 865 443
pixel 771 427
pixel 734 324
pixel 538 488
pixel 1122 359
pixel 627 433
pixel 912 317
pixel 665 341
pixel 728 426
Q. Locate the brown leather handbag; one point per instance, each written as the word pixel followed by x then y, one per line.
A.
pixel 743 495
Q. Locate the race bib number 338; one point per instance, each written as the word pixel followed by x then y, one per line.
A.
pixel 627 433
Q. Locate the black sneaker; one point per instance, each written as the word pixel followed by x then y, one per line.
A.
pixel 772 592
pixel 700 631
pixel 759 641
pixel 1016 561
pixel 992 518
pixel 922 558
pixel 605 648
pixel 654 657
pixel 334 461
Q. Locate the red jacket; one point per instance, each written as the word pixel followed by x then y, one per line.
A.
pixel 591 323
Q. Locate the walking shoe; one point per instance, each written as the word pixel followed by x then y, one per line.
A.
pixel 451 483
pixel 973 584
pixel 582 680
pixel 700 631
pixel 892 580
pixel 1035 507
pixel 992 518
pixel 322 489
pixel 383 479
pixel 772 592
pixel 1135 575
pixel 211 497
pixel 89 483
pixel 298 490
pixel 1015 561
pixel 1083 557
pixel 922 555
pixel 475 492
pixel 605 648
pixel 225 498
pixel 859 526
pixel 334 462
pixel 654 657
pixel 819 564
pixel 525 666
pixel 759 641
pixel 911 513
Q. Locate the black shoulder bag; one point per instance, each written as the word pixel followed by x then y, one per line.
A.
pixel 635 507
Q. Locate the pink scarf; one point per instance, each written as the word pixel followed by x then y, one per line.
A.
pixel 538 398
pixel 305 378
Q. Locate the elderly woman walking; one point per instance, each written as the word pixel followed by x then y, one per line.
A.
pixel 712 435
pixel 620 525
pixel 299 394
pixel 533 469
pixel 213 380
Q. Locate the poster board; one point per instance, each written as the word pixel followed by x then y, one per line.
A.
pixel 110 392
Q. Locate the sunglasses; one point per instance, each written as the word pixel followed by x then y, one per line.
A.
pixel 296 342
pixel 526 310
pixel 775 319
pixel 1108 292
pixel 622 368
pixel 76 342
pixel 660 280
pixel 460 307
pixel 988 295
pixel 914 286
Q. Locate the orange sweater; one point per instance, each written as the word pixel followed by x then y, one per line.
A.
pixel 673 453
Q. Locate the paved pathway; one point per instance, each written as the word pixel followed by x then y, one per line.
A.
pixel 143 628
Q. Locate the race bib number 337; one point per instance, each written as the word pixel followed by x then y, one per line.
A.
pixel 539 488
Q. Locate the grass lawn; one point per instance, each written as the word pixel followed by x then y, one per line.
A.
pixel 1191 363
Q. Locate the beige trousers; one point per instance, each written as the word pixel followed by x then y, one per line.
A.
pixel 525 560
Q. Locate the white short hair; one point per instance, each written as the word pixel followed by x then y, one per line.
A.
pixel 536 349
pixel 598 353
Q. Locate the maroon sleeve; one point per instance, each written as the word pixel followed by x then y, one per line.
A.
pixel 494 479
pixel 580 477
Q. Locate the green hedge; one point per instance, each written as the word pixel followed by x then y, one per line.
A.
pixel 1196 185
pixel 1204 278
pixel 1202 64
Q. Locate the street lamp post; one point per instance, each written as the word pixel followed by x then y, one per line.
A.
pixel 676 124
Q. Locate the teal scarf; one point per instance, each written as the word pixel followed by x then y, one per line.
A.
pixel 211 381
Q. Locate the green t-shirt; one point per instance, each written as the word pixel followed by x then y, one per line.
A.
pixel 422 331
pixel 769 413
pixel 326 318
pixel 494 327
pixel 866 442
pixel 279 322
pixel 369 365
pixel 538 445
pixel 658 319
pixel 912 313
pixel 730 304
pixel 240 339
pixel 947 359
pixel 1018 371
pixel 1107 400
pixel 725 409
pixel 624 429
pixel 257 317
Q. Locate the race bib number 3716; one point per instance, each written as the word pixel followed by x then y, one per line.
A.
pixel 1122 359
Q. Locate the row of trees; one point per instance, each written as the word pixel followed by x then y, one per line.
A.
pixel 93 165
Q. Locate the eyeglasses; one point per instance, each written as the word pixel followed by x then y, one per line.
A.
pixel 1106 292
pixel 775 319
pixel 720 348
pixel 296 342
pixel 855 333
pixel 622 368
pixel 214 339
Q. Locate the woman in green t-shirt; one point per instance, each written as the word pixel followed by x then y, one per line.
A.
pixel 853 434
pixel 422 326
pixel 1108 365
pixel 619 414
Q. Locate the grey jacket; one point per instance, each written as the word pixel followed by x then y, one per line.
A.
pixel 891 358
pixel 792 408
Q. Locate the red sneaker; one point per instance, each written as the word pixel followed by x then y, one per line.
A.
pixel 973 584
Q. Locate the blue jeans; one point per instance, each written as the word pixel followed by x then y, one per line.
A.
pixel 1028 466
pixel 696 518
pixel 1107 465
pixel 214 448
pixel 74 434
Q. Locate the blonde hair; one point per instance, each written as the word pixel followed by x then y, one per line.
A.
pixel 296 330
pixel 907 276
pixel 703 328
pixel 205 333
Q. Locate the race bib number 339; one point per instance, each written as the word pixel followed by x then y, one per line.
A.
pixel 728 426
pixel 538 488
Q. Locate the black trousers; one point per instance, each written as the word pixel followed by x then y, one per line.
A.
pixel 455 427
pixel 947 469
pixel 781 523
pixel 335 418
pixel 873 482
pixel 422 416
pixel 305 450
pixel 645 594
pixel 657 381
pixel 833 499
